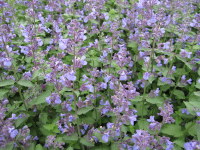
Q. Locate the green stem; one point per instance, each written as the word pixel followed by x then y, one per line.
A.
pixel 22 97
pixel 75 99
pixel 152 55
pixel 143 99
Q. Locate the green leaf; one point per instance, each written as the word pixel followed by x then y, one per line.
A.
pixel 143 124
pixel 6 83
pixel 180 142
pixel 40 99
pixel 8 146
pixel 77 93
pixel 70 148
pixel 73 137
pixel 84 110
pixel 198 131
pixel 192 106
pixel 137 99
pixel 197 93
pixel 179 94
pixel 190 66
pixel 39 147
pixel 49 126
pixel 43 117
pixel 124 129
pixel 20 121
pixel 87 119
pixel 31 147
pixel 3 92
pixel 25 83
pixel 197 85
pixel 114 146
pixel 86 142
pixel 172 130
pixel 191 128
pixel 37 74
pixel 155 100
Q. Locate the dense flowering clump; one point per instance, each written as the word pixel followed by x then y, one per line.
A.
pixel 100 74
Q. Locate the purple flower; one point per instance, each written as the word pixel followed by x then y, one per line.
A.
pixel 110 125
pixel 7 62
pixel 146 75
pixel 191 145
pixel 151 119
pixel 36 138
pixel 185 111
pixel 173 68
pixel 198 114
pixel 132 119
pixel 68 107
pixel 83 62
pixel 14 117
pixel 166 113
pixel 57 100
pixel 53 99
pixel 27 75
pixel 166 80
pixel 111 85
pixel 189 81
pixel 71 118
pixel 105 137
pixel 103 85
pixel 156 92
pixel 90 87
pixel 48 100
pixel 170 145
pixel 71 76
pixel 123 76
pixel 185 54
pixel 107 78
pixel 63 44
pixel 13 132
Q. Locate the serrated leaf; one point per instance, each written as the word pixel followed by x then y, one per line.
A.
pixel 180 142
pixel 31 147
pixel 197 85
pixel 192 106
pixel 25 83
pixel 20 121
pixel 114 146
pixel 84 110
pixel 172 130
pixel 49 126
pixel 70 148
pixel 3 92
pixel 40 99
pixel 191 128
pixel 197 93
pixel 143 124
pixel 43 117
pixel 198 131
pixel 8 146
pixel 86 142
pixel 6 83
pixel 179 94
pixel 155 100
pixel 39 147
pixel 73 137
pixel 124 129
pixel 137 99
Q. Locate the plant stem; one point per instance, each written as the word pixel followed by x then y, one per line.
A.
pixel 152 55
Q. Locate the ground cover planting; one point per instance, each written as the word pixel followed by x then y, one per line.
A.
pixel 99 74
